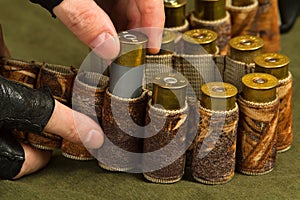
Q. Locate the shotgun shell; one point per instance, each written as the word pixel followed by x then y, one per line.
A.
pixel 175 13
pixel 200 41
pixel 210 10
pixel 126 71
pixel 273 63
pixel 169 91
pixel 259 87
pixel 218 96
pixel 245 48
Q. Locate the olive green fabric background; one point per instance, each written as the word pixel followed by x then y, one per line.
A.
pixel 31 34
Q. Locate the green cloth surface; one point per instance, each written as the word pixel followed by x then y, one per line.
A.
pixel 31 34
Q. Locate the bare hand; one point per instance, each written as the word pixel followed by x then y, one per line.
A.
pixel 95 26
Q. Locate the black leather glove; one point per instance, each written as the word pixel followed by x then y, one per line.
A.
pixel 24 108
pixel 12 155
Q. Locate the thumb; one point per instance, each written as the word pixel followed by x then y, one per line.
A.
pixel 75 127
pixel 90 24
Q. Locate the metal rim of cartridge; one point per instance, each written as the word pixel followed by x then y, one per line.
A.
pixel 126 71
pixel 259 87
pixel 169 91
pixel 175 13
pixel 204 37
pixel 168 42
pixel 132 48
pixel 273 63
pixel 245 48
pixel 210 10
pixel 218 96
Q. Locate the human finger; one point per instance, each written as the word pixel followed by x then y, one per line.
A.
pixel 75 127
pixel 153 19
pixel 35 159
pixel 91 25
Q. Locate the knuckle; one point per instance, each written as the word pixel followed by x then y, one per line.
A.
pixel 83 18
pixel 73 134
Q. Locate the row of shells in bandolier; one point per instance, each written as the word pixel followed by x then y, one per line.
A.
pixel 215 147
pixel 213 158
pixel 228 19
pixel 176 21
pixel 208 10
pixel 250 132
pixel 193 42
pixel 248 50
pixel 211 15
pixel 160 93
pixel 203 41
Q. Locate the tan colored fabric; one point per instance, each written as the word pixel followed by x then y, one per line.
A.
pixel 118 117
pixel 20 71
pixel 155 65
pixel 172 133
pixel 243 19
pixel 75 151
pixel 88 94
pixel 256 141
pixel 197 69
pixel 215 146
pixel 44 141
pixel 60 80
pixel 235 70
pixel 182 28
pixel 284 128
pixel 268 25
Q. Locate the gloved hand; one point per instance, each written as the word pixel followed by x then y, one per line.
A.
pixel 24 108
pixel 12 155
pixel 32 110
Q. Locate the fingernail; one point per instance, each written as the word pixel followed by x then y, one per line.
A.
pixel 155 40
pixel 93 139
pixel 106 46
